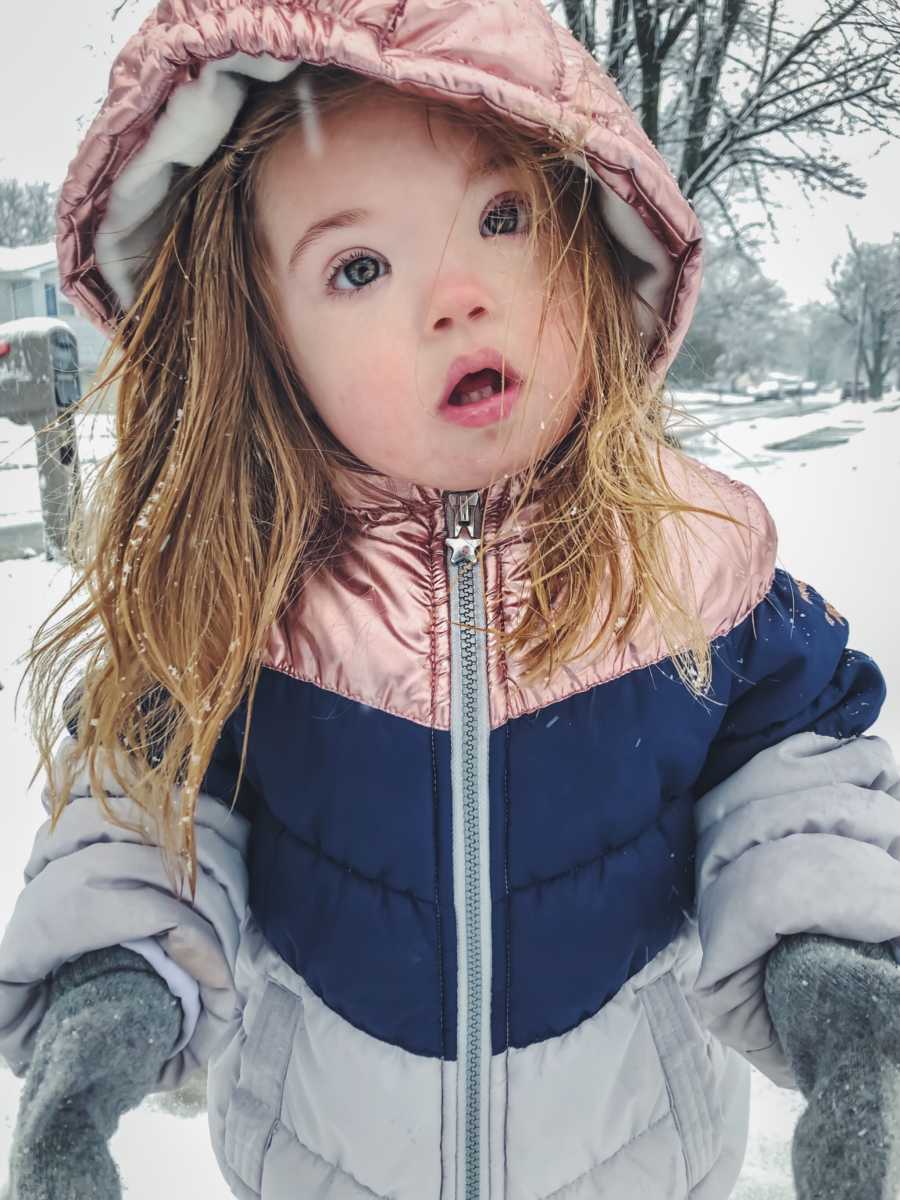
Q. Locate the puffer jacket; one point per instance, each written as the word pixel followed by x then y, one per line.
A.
pixel 449 943
pixel 465 936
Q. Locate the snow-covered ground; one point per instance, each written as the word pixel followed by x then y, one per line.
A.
pixel 836 500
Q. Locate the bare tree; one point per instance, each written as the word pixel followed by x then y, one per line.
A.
pixel 582 20
pixel 865 285
pixel 733 90
pixel 27 213
pixel 826 343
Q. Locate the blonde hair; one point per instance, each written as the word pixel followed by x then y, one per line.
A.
pixel 218 503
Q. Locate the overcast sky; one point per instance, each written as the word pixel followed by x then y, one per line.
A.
pixel 55 65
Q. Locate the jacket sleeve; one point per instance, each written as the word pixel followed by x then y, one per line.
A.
pixel 90 884
pixel 797 817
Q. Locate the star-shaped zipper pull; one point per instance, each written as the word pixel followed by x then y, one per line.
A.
pixel 462 511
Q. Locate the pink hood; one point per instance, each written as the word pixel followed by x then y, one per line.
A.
pixel 177 85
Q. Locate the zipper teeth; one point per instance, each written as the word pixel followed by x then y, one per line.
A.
pixel 464 516
pixel 469 669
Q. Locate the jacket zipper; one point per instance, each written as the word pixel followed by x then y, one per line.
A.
pixel 469 732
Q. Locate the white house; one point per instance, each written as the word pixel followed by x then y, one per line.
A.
pixel 29 287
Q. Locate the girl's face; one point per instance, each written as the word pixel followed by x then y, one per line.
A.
pixel 438 267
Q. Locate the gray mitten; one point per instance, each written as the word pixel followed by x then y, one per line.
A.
pixel 109 1027
pixel 835 1005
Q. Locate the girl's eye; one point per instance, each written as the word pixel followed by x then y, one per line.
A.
pixel 505 209
pixel 361 276
pixel 504 212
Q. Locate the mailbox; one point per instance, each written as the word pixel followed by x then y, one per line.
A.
pixel 39 383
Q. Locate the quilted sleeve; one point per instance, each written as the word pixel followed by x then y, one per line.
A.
pixel 90 884
pixel 797 820
pixel 786 669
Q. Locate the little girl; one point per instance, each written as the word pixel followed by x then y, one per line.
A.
pixel 496 751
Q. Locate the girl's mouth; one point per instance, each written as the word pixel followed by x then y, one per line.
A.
pixel 477 399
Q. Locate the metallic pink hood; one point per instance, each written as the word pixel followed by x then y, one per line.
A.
pixel 177 85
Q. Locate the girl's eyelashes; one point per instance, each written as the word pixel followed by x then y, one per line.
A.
pixel 504 209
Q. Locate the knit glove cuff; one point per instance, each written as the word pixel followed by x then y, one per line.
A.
pixel 835 1005
pixel 107 961
pixel 828 995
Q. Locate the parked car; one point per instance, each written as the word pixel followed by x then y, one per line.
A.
pixel 769 389
pixel 808 387
pixel 847 392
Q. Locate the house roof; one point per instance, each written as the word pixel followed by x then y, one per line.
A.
pixel 14 259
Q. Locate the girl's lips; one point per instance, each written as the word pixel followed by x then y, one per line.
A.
pixel 482 412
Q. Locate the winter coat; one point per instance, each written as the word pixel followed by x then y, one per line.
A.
pixel 449 943
pixel 455 923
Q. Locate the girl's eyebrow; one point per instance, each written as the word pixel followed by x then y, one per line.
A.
pixel 339 220
pixel 353 216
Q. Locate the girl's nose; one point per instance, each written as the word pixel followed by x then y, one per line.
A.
pixel 457 300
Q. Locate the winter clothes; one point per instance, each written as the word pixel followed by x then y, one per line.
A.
pixel 347 971
pixel 449 943
pixel 110 1025
pixel 836 1008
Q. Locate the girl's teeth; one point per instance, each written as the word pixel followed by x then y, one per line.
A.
pixel 482 394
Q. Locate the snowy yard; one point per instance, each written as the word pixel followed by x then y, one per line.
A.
pixel 828 472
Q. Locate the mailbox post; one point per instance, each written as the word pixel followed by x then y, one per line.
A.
pixel 39 382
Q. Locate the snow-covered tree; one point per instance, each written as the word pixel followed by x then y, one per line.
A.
pixel 27 213
pixel 733 91
pixel 865 284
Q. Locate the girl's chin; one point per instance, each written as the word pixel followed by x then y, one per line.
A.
pixel 448 470
pixel 464 483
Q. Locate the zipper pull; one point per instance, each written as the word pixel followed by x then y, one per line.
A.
pixel 462 512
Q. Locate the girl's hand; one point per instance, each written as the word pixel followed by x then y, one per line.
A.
pixel 109 1026
pixel 835 1005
